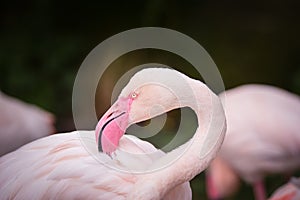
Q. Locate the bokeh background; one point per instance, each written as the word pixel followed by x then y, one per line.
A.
pixel 43 43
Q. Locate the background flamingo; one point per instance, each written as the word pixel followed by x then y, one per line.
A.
pixel 21 123
pixel 58 166
pixel 263 137
pixel 289 191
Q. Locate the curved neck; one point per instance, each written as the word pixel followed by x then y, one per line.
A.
pixel 195 155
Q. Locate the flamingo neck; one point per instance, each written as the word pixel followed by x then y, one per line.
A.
pixel 194 156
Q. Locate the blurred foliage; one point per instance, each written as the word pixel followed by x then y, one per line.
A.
pixel 42 44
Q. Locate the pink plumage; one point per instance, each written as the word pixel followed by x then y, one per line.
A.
pixel 21 123
pixel 262 138
pixel 69 166
pixel 59 167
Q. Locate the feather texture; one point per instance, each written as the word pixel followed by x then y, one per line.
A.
pixel 60 167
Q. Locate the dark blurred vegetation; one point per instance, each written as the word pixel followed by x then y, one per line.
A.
pixel 42 44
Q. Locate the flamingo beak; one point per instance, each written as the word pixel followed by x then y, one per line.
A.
pixel 106 123
pixel 112 126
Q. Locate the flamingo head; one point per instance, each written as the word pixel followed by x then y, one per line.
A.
pixel 149 93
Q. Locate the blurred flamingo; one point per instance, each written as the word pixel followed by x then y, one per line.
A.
pixel 289 191
pixel 262 138
pixel 21 123
pixel 59 167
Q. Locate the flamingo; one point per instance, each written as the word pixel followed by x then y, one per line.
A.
pixel 289 191
pixel 262 138
pixel 21 123
pixel 61 167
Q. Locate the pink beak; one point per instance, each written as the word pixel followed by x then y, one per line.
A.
pixel 112 126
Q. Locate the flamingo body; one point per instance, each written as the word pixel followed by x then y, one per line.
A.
pixel 59 167
pixel 21 123
pixel 263 131
pixel 262 136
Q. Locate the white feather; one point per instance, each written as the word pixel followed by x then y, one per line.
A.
pixel 59 166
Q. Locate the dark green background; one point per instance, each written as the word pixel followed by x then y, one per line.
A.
pixel 43 42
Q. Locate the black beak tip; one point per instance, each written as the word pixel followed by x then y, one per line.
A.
pixel 99 142
pixel 99 148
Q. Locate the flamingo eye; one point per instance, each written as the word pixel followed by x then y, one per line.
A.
pixel 133 95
